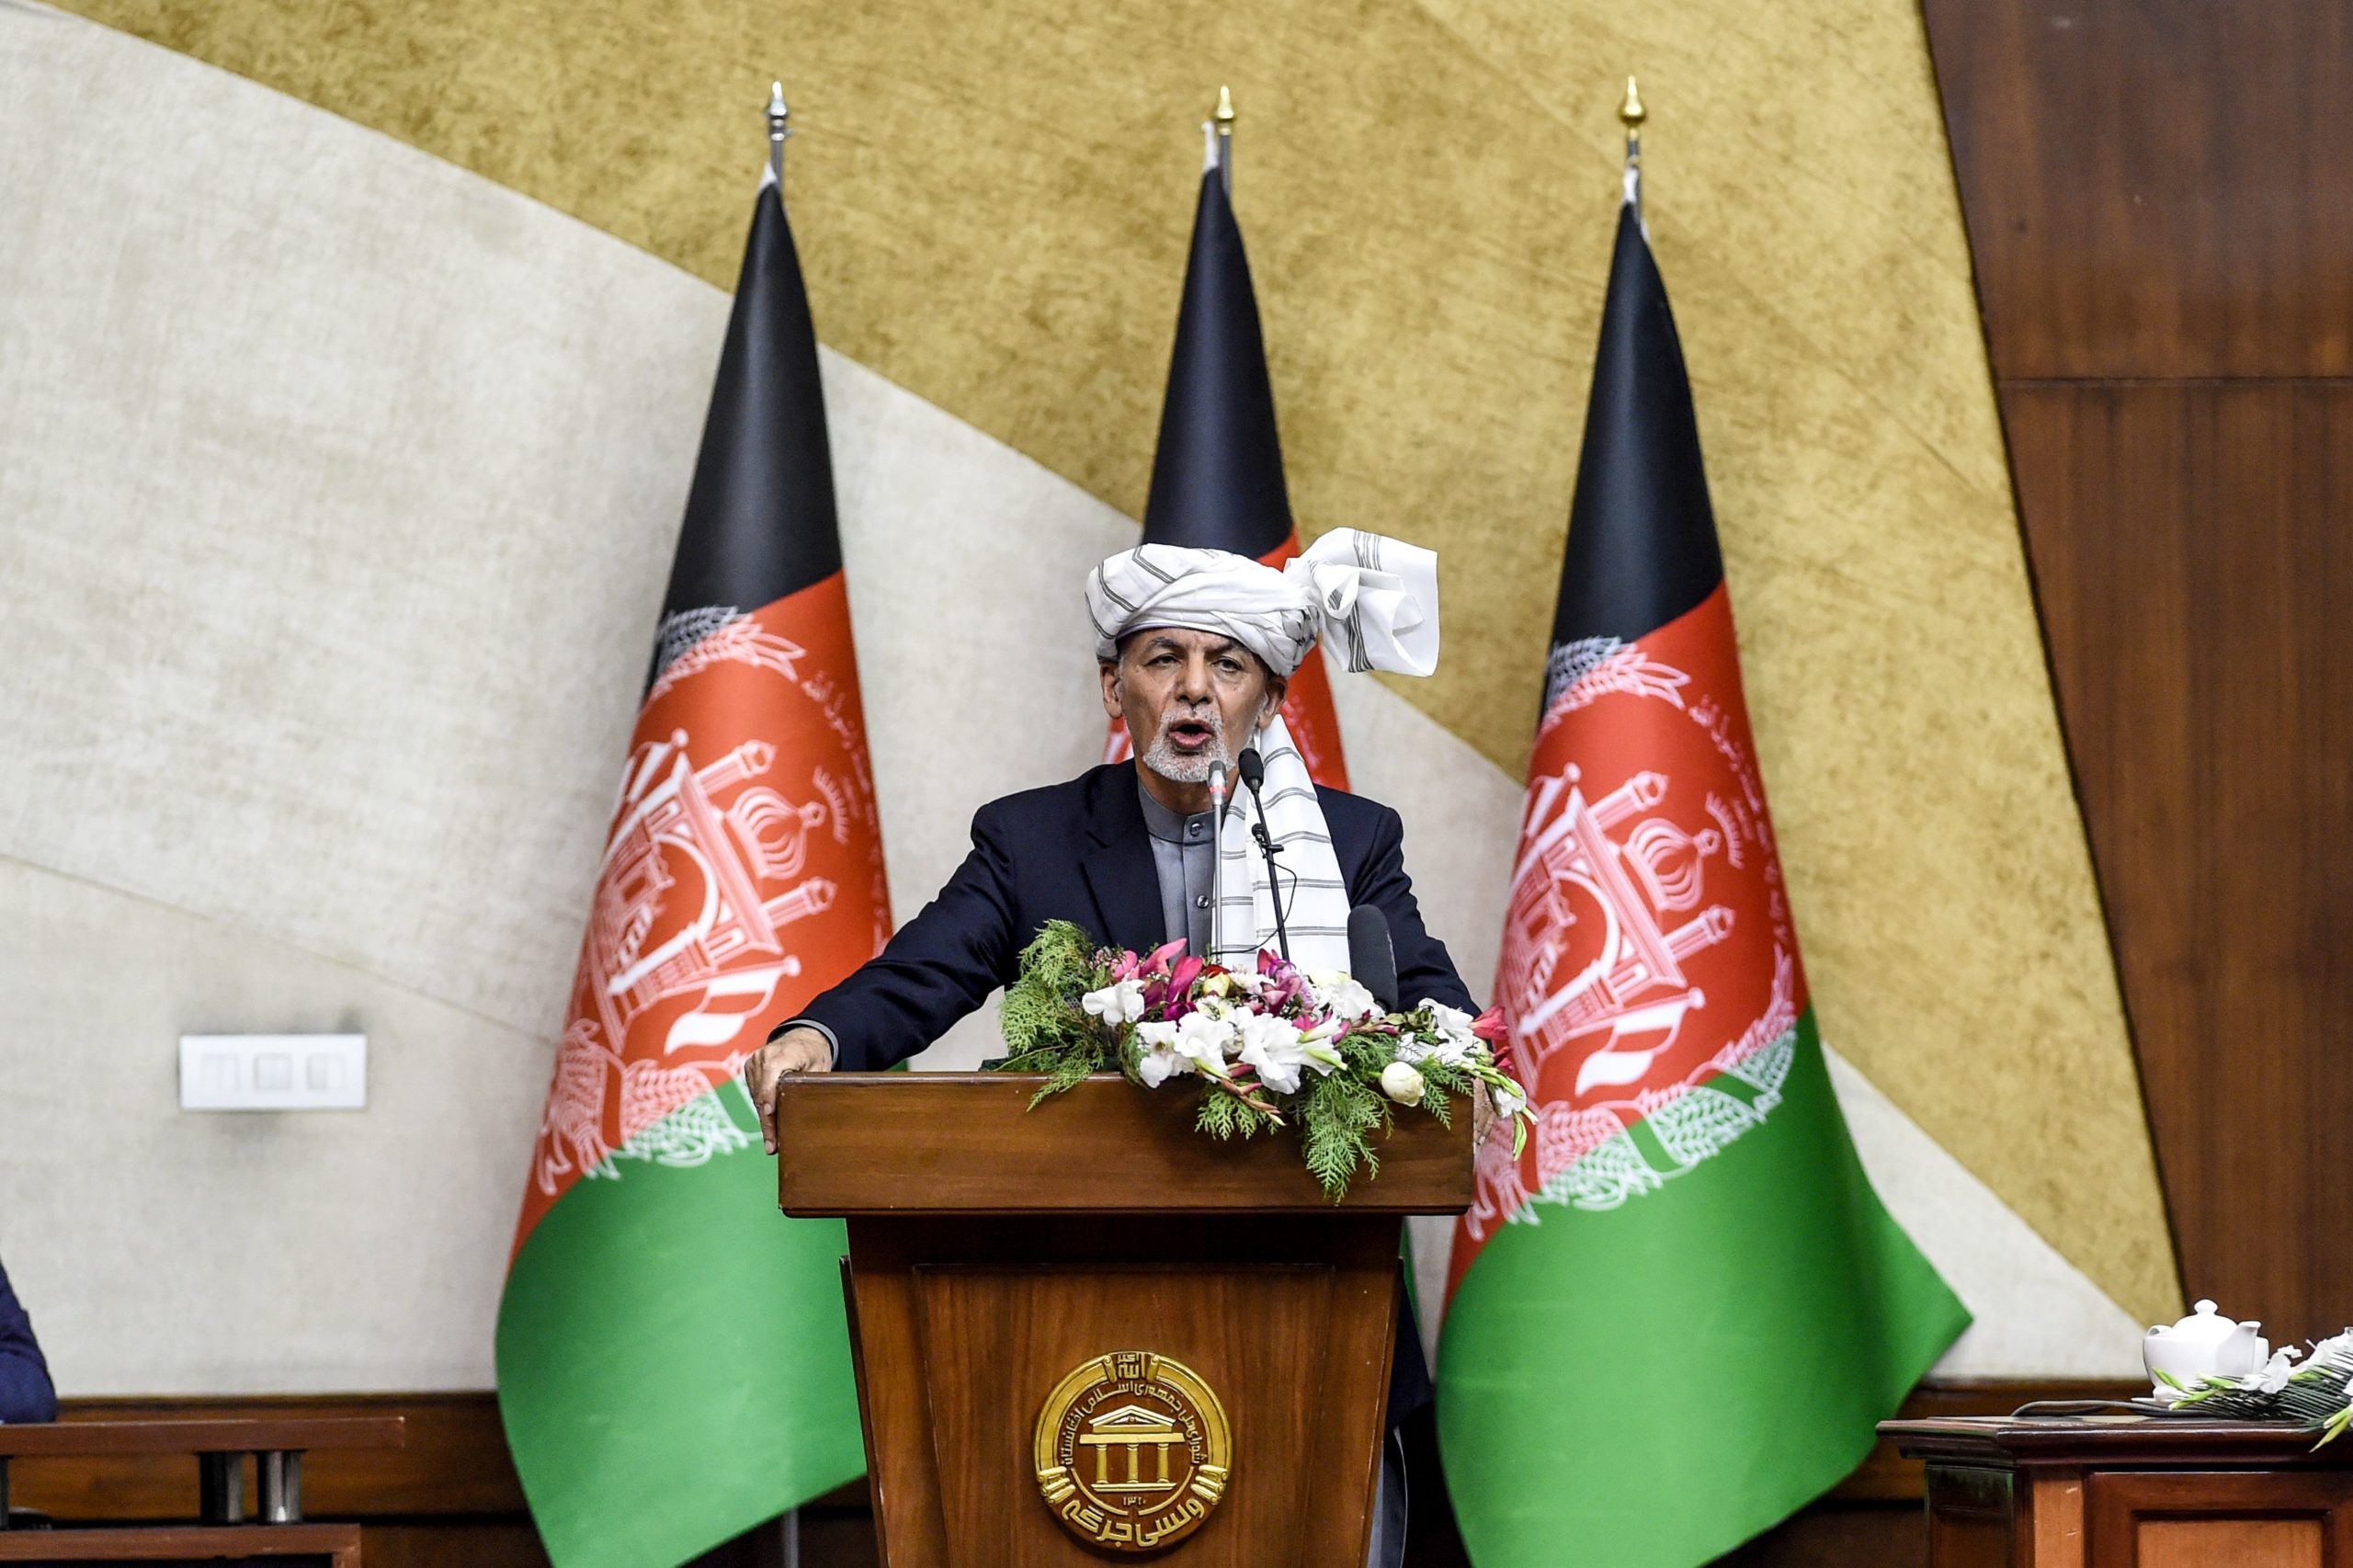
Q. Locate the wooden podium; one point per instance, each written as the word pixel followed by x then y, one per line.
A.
pixel 1087 1333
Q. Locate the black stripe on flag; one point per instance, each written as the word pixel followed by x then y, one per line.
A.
pixel 760 521
pixel 1217 475
pixel 1642 547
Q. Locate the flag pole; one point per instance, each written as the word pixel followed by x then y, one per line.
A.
pixel 1630 114
pixel 780 127
pixel 1222 138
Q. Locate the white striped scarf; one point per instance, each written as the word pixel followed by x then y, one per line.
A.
pixel 1314 897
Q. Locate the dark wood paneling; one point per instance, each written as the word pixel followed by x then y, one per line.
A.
pixel 2159 197
pixel 2193 549
pixel 2156 187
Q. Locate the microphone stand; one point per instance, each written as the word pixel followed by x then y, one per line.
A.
pixel 1253 773
pixel 1219 789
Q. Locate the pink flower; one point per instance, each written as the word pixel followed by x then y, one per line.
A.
pixel 1279 983
pixel 1490 1027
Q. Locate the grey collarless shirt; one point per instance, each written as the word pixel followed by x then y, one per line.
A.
pixel 1183 854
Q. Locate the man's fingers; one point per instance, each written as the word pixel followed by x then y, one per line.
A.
pixel 1483 1114
pixel 763 1076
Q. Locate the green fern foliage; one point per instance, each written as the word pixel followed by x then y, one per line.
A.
pixel 1339 1111
pixel 1043 1024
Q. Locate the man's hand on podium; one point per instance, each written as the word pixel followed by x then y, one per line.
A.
pixel 795 1051
pixel 1483 1115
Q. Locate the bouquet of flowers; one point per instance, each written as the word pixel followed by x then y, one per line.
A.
pixel 2318 1394
pixel 1266 1045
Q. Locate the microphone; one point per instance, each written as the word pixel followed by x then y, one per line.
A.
pixel 1218 789
pixel 1372 961
pixel 1252 768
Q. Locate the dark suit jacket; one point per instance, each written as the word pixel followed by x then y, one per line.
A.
pixel 1079 852
pixel 25 1391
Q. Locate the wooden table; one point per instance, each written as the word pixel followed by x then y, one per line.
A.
pixel 336 1546
pixel 220 1449
pixel 2130 1491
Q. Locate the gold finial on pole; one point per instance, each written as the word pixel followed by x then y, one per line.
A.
pixel 1630 114
pixel 780 127
pixel 1222 128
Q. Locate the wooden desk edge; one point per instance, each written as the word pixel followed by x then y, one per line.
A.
pixel 2010 1441
pixel 67 1439
pixel 1427 1165
pixel 338 1542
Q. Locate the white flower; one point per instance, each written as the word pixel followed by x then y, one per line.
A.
pixel 1278 1051
pixel 1509 1102
pixel 1204 1038
pixel 1121 1002
pixel 1446 1048
pixel 1402 1084
pixel 1455 1043
pixel 1343 997
pixel 1161 1060
pixel 1449 1020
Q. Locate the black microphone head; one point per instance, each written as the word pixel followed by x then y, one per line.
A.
pixel 1252 768
pixel 1371 960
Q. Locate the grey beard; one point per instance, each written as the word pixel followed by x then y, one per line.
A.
pixel 1165 760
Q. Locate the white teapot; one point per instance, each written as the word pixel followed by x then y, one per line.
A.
pixel 2203 1345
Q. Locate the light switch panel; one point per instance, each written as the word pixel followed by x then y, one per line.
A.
pixel 273 1071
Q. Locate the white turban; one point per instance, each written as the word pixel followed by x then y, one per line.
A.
pixel 1374 600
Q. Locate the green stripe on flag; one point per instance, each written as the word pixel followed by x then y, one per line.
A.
pixel 674 1360
pixel 1649 1386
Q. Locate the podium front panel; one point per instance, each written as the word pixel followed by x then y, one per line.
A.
pixel 968 1328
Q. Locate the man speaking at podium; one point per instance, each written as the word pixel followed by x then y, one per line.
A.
pixel 1195 649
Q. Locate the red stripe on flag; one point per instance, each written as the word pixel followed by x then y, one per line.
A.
pixel 1648 945
pixel 741 875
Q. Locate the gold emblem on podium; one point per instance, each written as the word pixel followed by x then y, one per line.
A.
pixel 1133 1450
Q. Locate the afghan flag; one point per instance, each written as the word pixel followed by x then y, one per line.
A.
pixel 673 1360
pixel 1217 476
pixel 1675 1317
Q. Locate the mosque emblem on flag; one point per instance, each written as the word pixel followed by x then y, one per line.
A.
pixel 1599 926
pixel 689 942
pixel 1648 979
pixel 741 872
